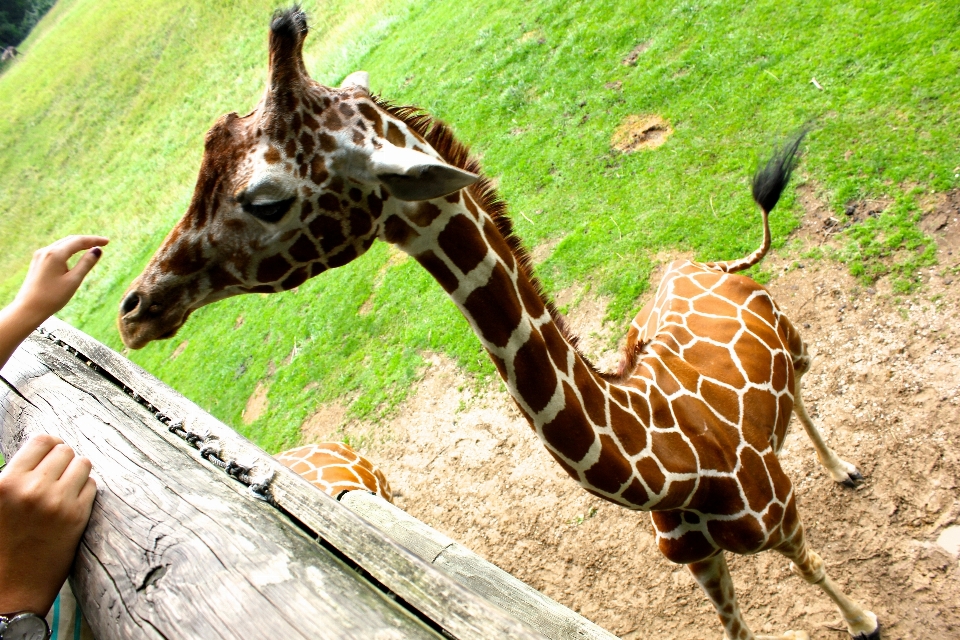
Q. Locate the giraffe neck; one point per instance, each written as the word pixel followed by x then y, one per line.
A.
pixel 589 426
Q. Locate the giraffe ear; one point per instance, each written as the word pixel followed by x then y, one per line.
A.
pixel 357 79
pixel 411 175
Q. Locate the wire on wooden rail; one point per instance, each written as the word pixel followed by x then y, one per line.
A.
pixel 203 442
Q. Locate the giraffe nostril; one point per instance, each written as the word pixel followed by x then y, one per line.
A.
pixel 130 303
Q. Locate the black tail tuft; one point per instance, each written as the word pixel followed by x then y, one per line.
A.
pixel 291 23
pixel 770 180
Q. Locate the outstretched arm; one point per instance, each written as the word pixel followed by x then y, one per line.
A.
pixel 49 286
pixel 46 492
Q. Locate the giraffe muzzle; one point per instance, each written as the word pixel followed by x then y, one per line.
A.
pixel 142 320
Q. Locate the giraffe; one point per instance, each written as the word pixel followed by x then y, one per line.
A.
pixel 335 468
pixel 688 428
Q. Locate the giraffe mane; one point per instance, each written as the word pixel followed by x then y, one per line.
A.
pixel 440 136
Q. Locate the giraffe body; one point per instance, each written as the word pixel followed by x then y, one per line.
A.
pixel 689 427
pixel 697 334
pixel 335 468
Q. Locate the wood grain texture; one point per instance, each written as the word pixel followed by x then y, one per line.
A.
pixel 547 616
pixel 432 593
pixel 174 548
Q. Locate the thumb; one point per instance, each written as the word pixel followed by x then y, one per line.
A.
pixel 85 263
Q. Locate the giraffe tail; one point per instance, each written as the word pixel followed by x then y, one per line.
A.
pixel 768 183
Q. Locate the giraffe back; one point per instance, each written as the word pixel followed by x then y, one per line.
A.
pixel 722 338
pixel 334 468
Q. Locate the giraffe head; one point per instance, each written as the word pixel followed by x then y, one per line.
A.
pixel 294 188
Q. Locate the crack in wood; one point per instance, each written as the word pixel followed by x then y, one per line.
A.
pixel 153 577
pixel 17 392
pixel 116 588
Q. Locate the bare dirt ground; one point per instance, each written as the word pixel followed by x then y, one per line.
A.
pixel 884 388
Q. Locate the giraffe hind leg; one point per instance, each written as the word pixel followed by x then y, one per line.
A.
pixel 840 470
pixel 862 624
pixel 713 576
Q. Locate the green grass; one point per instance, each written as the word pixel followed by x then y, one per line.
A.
pixel 104 119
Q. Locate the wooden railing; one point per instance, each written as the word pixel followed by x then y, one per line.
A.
pixel 198 533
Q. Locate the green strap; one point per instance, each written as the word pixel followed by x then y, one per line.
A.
pixel 76 623
pixel 55 626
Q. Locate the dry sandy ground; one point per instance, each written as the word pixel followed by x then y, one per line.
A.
pixel 884 388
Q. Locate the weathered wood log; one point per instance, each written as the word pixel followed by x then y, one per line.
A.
pixel 178 549
pixel 547 616
pixel 173 550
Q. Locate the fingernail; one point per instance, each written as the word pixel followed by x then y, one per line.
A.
pixel 97 251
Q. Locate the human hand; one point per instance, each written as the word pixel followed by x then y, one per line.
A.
pixel 46 495
pixel 50 283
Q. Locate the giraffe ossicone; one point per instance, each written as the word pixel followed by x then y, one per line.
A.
pixel 689 427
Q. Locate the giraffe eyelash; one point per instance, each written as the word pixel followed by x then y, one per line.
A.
pixel 269 212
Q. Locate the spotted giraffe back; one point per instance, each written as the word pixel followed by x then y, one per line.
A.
pixel 335 468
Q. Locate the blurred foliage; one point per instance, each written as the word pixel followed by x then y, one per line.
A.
pixel 18 17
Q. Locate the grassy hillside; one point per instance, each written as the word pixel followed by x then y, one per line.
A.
pixel 104 118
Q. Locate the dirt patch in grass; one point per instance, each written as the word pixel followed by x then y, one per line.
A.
pixel 631 59
pixel 179 350
pixel 535 35
pixel 640 132
pixel 256 404
pixel 542 251
pixel 367 305
pixel 818 218
pixel 820 221
pixel 859 210
pixel 322 424
pixel 942 221
pixel 885 389
pixel 596 338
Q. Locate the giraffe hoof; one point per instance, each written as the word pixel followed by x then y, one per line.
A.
pixel 845 473
pixel 874 635
pixel 853 479
pixel 869 635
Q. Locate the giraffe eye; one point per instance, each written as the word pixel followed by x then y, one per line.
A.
pixel 269 211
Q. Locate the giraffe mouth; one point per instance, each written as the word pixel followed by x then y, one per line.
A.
pixel 137 330
pixel 168 334
pixel 149 313
pixel 137 335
